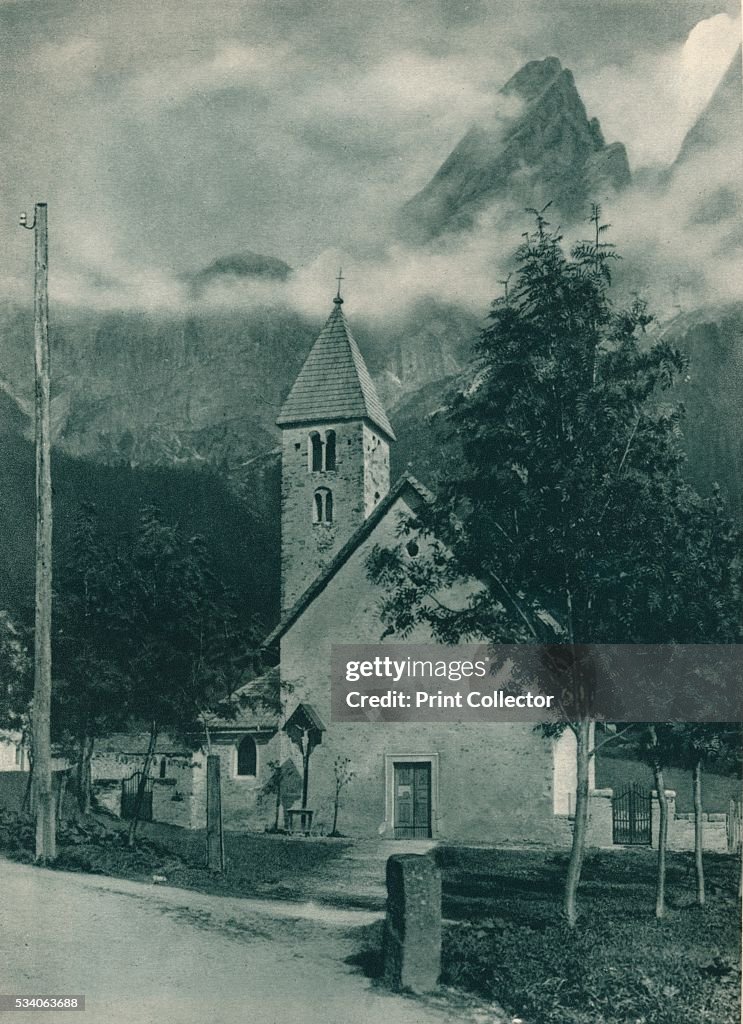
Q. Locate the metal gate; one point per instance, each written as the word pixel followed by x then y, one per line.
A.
pixel 129 789
pixel 631 816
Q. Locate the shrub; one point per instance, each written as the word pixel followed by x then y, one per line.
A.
pixel 610 970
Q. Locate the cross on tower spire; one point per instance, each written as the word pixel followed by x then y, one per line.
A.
pixel 338 300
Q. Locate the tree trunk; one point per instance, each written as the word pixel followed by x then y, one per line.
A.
pixel 277 815
pixel 28 802
pixel 335 811
pixel 306 751
pixel 61 795
pixel 142 784
pixel 698 831
pixel 83 779
pixel 660 891
pixel 580 825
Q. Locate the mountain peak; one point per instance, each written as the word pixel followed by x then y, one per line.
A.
pixel 720 119
pixel 548 151
pixel 533 78
pixel 245 265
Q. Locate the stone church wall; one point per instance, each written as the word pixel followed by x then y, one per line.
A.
pixel 491 782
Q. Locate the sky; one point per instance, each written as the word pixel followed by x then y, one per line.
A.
pixel 165 135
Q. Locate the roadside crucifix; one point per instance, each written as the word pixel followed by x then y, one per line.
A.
pixel 304 727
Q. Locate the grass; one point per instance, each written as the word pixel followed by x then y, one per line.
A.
pixel 505 939
pixel 503 936
pixel 257 864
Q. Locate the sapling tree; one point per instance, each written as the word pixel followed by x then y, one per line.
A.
pixel 342 777
pixel 694 746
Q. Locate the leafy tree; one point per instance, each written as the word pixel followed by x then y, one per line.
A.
pixel 16 683
pixel 148 634
pixel 16 675
pixel 91 695
pixel 568 500
pixel 184 636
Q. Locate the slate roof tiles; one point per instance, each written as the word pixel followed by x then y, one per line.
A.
pixel 334 383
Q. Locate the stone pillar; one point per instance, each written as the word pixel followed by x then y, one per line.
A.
pixel 412 934
pixel 600 821
pixel 655 817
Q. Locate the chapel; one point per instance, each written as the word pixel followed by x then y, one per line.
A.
pixel 466 781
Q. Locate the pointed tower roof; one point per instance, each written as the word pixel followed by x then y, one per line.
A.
pixel 334 383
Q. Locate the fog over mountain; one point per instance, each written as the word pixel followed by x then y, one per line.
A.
pixel 548 151
pixel 194 382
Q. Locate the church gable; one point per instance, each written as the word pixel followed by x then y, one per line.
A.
pixel 485 781
pixel 380 527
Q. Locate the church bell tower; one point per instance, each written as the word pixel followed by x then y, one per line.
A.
pixel 335 455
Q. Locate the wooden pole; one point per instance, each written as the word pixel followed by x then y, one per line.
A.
pixel 214 833
pixel 44 796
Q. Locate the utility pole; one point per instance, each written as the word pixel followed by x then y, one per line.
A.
pixel 41 713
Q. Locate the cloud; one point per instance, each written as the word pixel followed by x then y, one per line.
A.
pixel 651 102
pixel 166 135
pixel 233 66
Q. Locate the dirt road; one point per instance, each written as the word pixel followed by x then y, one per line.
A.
pixel 149 954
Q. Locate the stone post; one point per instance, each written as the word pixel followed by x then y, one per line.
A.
pixel 655 817
pixel 214 833
pixel 412 934
pixel 601 821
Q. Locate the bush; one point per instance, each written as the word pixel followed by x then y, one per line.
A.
pixel 610 970
pixel 89 846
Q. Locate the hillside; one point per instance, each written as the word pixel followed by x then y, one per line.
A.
pixel 243 545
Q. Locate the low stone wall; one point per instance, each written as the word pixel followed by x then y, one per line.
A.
pixel 714 833
pixel 107 793
pixel 173 796
pixel 168 803
pixel 680 826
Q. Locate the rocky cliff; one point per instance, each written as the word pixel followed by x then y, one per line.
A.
pixel 549 151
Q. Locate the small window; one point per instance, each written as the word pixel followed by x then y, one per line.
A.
pixel 246 756
pixel 315 452
pixel 330 450
pixel 163 768
pixel 18 753
pixel 412 548
pixel 322 509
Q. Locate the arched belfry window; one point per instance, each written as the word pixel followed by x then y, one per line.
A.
pixel 246 756
pixel 322 509
pixel 315 453
pixel 330 450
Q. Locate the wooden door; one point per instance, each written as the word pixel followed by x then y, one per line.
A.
pixel 413 801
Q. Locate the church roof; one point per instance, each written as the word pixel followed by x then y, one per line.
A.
pixel 414 492
pixel 334 383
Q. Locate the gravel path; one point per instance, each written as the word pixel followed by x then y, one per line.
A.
pixel 146 954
